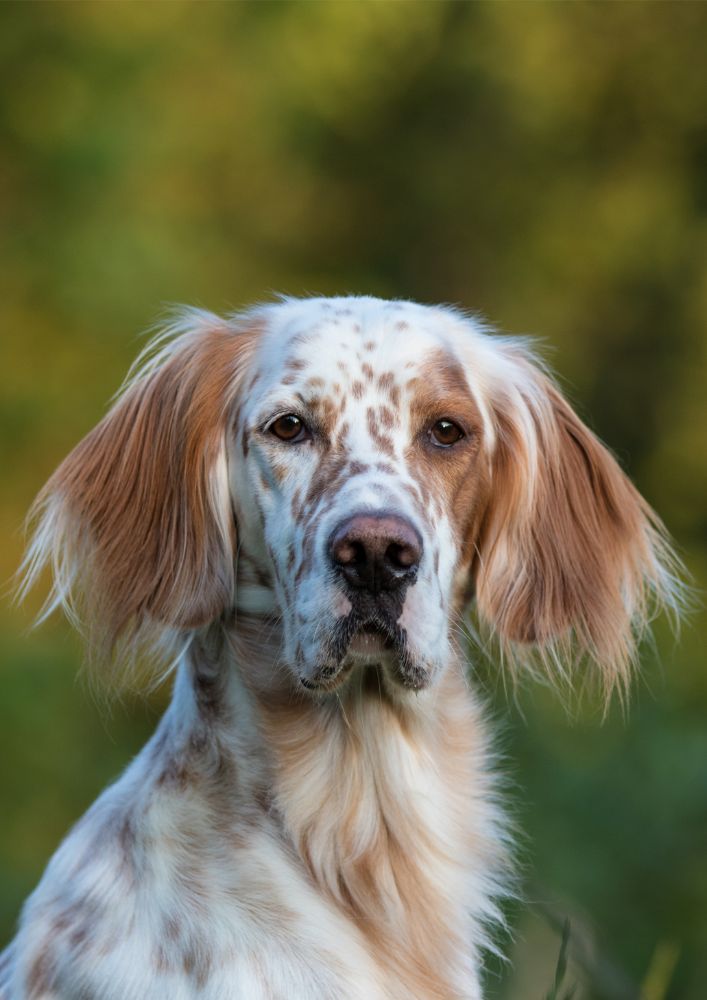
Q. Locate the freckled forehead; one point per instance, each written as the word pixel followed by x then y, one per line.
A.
pixel 339 340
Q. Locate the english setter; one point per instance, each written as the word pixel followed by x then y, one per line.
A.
pixel 294 506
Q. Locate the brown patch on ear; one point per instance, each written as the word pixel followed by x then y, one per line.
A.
pixel 569 553
pixel 137 520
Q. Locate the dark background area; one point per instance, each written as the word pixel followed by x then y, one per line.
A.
pixel 542 163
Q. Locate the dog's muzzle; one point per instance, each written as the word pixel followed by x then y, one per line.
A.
pixel 377 557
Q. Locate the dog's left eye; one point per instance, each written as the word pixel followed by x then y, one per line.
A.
pixel 289 428
pixel 445 433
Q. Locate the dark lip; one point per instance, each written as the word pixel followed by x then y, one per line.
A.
pixel 326 684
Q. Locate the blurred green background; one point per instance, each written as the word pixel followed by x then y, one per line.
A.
pixel 543 163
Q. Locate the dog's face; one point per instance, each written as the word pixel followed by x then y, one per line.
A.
pixel 356 469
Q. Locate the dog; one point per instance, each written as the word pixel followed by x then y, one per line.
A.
pixel 294 507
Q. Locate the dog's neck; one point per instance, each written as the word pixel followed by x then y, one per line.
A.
pixel 372 792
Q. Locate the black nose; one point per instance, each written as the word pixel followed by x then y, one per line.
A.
pixel 376 552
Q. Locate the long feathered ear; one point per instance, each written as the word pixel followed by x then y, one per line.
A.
pixel 136 523
pixel 572 562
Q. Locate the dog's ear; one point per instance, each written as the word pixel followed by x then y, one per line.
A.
pixel 137 523
pixel 571 561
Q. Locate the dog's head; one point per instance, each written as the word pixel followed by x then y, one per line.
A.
pixel 359 470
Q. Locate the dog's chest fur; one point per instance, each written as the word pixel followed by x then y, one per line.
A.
pixel 356 860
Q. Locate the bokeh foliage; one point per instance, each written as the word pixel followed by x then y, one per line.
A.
pixel 542 163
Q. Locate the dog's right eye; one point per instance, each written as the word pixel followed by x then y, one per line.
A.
pixel 289 428
pixel 445 433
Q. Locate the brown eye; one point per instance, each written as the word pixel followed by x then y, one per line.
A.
pixel 289 428
pixel 445 433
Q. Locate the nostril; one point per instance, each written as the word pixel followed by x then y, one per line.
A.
pixel 349 552
pixel 402 556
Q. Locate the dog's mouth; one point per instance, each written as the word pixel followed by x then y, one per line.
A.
pixel 362 636
pixel 367 645
pixel 357 645
pixel 371 639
